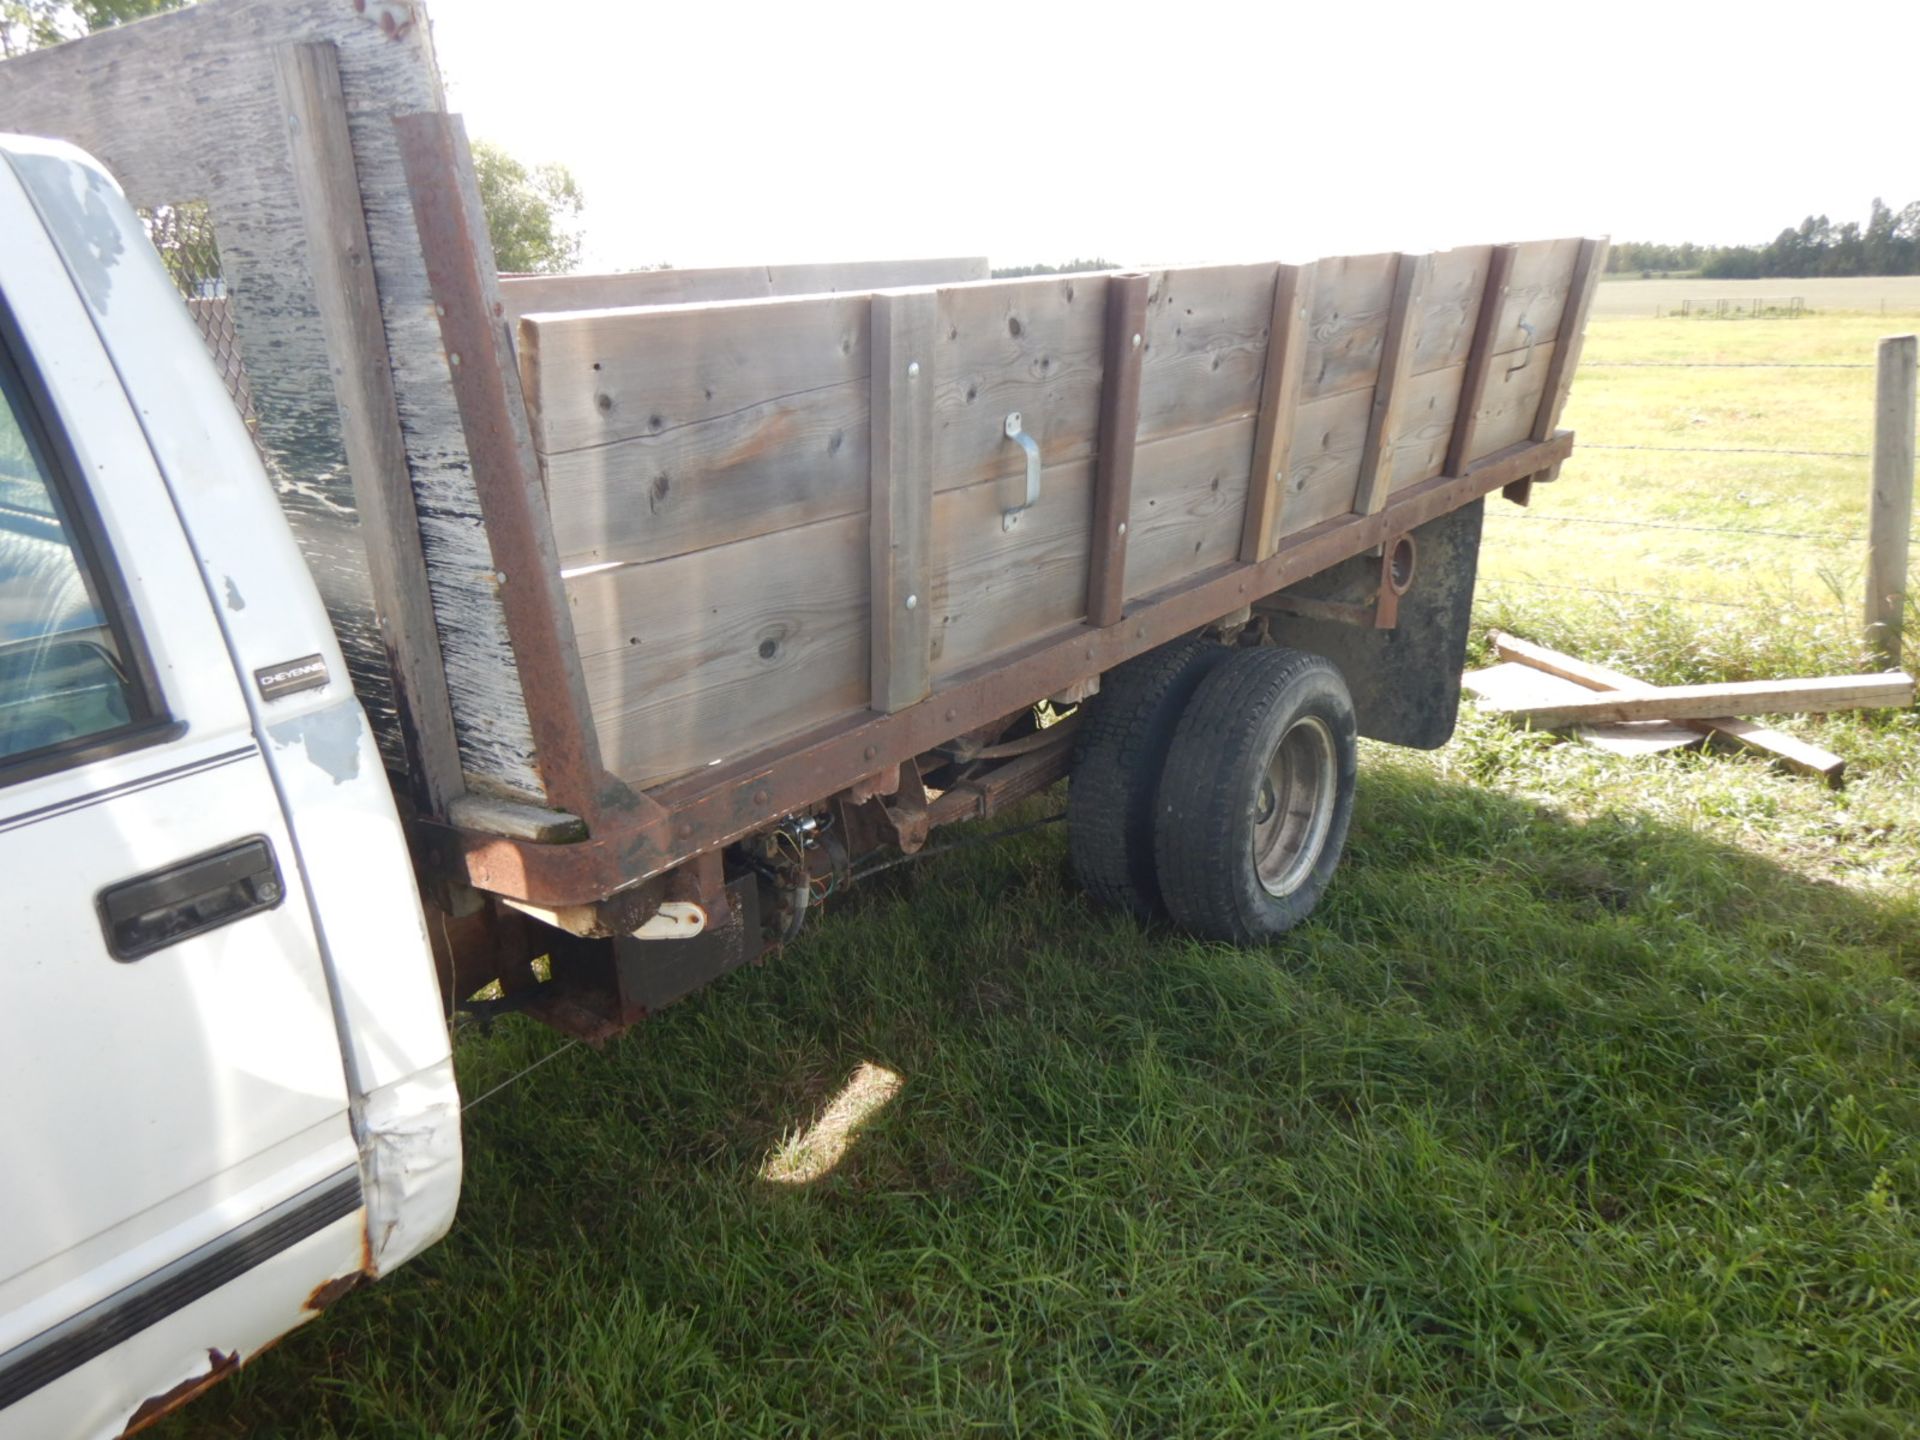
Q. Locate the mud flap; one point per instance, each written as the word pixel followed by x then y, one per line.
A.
pixel 1405 681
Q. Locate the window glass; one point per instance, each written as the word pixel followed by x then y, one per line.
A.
pixel 62 676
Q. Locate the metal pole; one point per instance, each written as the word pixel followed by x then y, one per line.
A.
pixel 1890 496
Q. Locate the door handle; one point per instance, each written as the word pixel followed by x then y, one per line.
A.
pixel 163 907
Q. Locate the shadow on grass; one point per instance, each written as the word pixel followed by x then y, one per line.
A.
pixel 1541 1127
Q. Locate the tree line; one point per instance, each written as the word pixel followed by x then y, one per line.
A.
pixel 1888 244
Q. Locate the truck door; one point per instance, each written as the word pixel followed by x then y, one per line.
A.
pixel 177 1169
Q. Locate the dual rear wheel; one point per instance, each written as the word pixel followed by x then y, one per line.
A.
pixel 1213 786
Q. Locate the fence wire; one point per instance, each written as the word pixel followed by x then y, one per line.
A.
pixel 1722 365
pixel 1827 537
pixel 1733 450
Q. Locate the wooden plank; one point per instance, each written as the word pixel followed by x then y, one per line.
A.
pixel 187 106
pixel 602 377
pixel 1280 387
pixel 540 294
pixel 1396 356
pixel 710 656
pixel 1206 346
pixel 1748 697
pixel 1188 504
pixel 1538 287
pixel 1789 750
pixel 1513 685
pixel 1511 399
pixel 900 528
pixel 995 589
pixel 1114 450
pixel 321 150
pixel 1479 371
pixel 1034 346
pixel 1455 282
pixel 1330 439
pixel 1585 279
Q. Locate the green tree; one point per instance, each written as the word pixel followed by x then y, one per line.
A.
pixel 533 212
pixel 35 24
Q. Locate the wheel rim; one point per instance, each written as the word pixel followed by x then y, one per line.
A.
pixel 1293 808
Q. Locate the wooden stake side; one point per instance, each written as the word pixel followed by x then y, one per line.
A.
pixel 1118 438
pixel 1396 360
pixel 348 302
pixel 1280 384
pixel 1473 384
pixel 1588 266
pixel 1890 495
pixel 901 528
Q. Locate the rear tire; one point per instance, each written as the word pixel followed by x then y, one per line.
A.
pixel 1256 797
pixel 1118 757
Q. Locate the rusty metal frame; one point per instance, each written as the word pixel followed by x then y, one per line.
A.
pixel 678 821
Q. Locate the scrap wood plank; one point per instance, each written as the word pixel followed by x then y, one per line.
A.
pixel 1789 750
pixel 1515 685
pixel 1704 702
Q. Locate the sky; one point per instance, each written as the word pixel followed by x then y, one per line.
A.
pixel 1186 131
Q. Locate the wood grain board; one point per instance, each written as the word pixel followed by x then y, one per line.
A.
pixel 532 294
pixel 679 440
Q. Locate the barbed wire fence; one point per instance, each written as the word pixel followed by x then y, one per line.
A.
pixel 1515 520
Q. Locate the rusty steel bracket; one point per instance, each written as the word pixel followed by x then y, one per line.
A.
pixel 714 808
pixel 1398 560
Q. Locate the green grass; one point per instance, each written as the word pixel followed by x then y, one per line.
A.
pixel 1586 1106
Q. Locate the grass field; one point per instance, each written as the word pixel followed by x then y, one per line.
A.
pixel 1688 448
pixel 1587 1105
pixel 1876 294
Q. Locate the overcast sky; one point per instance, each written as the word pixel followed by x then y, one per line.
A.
pixel 714 133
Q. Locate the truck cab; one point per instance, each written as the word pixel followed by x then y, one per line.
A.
pixel 230 1090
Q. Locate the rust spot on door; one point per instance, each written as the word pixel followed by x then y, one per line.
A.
pixel 219 1366
pixel 332 1290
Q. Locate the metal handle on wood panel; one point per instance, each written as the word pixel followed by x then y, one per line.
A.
pixel 1011 517
pixel 1527 354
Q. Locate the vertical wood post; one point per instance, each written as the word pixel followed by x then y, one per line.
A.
pixel 901 534
pixel 1890 496
pixel 506 477
pixel 1118 438
pixel 328 184
pixel 1280 383
pixel 1473 384
pixel 1396 365
pixel 1588 266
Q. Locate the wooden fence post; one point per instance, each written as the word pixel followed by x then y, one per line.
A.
pixel 1890 495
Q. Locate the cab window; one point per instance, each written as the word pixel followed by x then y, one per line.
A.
pixel 65 684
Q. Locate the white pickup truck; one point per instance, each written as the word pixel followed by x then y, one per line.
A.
pixel 229 1090
pixel 608 621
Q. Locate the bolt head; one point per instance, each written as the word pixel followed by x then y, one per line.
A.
pixel 912 600
pixel 453 358
pixel 1136 340
pixel 913 370
pixel 1123 527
